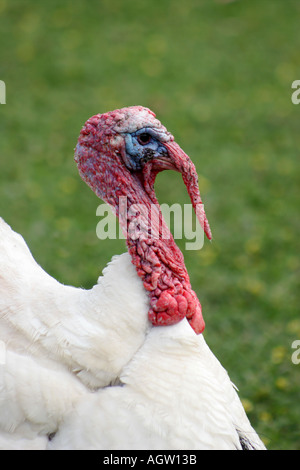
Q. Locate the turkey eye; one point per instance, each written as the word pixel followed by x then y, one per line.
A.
pixel 144 138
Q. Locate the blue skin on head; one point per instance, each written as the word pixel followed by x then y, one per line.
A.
pixel 143 145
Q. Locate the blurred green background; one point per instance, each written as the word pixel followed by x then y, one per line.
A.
pixel 218 74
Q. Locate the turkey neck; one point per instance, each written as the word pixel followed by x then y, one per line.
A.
pixel 158 260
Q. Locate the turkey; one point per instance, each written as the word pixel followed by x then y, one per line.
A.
pixel 125 364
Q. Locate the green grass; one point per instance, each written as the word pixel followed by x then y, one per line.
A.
pixel 219 76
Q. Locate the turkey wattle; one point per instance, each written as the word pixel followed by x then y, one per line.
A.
pixel 123 365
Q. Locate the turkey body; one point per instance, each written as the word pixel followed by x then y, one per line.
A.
pixel 56 339
pixel 174 394
pixel 123 365
pixel 76 372
pixel 67 325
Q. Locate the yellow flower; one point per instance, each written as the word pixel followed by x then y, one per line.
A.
pixel 294 327
pixel 265 417
pixel 253 245
pixel 282 383
pixel 247 404
pixel 254 286
pixel 278 354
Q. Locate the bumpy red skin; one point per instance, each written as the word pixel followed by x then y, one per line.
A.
pixel 100 155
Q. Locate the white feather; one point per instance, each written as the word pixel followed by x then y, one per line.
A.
pixel 176 395
pixel 61 347
pixel 67 325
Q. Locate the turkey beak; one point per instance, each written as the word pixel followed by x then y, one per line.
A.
pixel 179 161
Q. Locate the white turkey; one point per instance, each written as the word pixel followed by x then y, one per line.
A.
pixel 125 364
